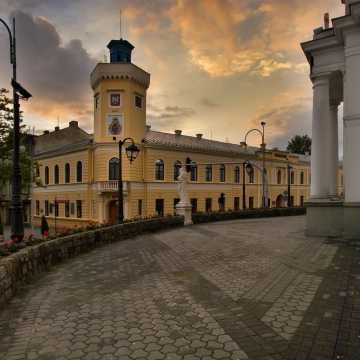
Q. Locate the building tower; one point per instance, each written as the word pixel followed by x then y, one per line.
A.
pixel 119 96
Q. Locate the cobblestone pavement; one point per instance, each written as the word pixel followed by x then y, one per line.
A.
pixel 248 289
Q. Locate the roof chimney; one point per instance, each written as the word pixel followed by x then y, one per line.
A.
pixel 199 136
pixel 57 128
pixel 45 132
pixel 73 124
pixel 326 21
pixel 178 132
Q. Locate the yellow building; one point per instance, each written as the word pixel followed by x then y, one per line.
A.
pixel 79 171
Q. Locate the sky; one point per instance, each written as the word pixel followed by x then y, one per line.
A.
pixel 218 67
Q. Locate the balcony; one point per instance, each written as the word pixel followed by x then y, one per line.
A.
pixel 110 186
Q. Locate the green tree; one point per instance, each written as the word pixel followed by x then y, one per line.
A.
pixel 6 145
pixel 299 144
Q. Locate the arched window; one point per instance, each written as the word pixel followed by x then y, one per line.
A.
pixel 302 178
pixel 177 167
pixel 79 171
pixel 159 169
pixel 237 175
pixel 278 177
pixel 46 175
pixel 222 173
pixel 114 169
pixel 67 173
pixel 193 172
pixel 56 174
pixel 208 173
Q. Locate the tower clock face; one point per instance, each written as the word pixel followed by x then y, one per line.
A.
pixel 114 124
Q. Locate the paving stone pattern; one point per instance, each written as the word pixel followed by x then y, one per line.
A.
pixel 245 289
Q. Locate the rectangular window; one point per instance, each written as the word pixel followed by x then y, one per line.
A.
pixel 139 207
pixel 67 208
pixel 251 202
pixel 236 203
pixel 46 207
pixel 302 178
pixel 78 208
pixel 56 209
pixel 115 99
pixel 301 200
pixel 208 204
pixel 159 207
pixel 37 206
pixel 72 208
pixel 193 205
pixel 138 101
pixel 96 102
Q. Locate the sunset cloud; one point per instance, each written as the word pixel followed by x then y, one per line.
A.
pixel 217 66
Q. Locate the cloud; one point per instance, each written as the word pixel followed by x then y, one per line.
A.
pixel 168 116
pixel 291 115
pixel 56 74
pixel 209 103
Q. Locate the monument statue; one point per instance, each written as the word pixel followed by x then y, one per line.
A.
pixel 183 179
pixel 183 207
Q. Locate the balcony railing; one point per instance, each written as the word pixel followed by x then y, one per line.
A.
pixel 110 186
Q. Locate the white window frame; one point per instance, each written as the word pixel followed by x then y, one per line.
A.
pixel 115 92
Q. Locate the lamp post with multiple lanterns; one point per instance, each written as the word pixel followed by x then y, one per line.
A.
pixel 263 146
pixel 17 221
pixel 132 152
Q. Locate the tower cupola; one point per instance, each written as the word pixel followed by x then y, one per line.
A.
pixel 120 51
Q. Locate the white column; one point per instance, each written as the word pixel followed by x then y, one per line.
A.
pixel 352 117
pixel 321 152
pixel 334 149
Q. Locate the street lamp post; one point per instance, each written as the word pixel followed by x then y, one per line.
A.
pixel 263 147
pixel 132 152
pixel 289 168
pixel 17 221
pixel 247 168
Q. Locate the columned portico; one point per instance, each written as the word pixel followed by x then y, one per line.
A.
pixel 334 58
pixel 352 133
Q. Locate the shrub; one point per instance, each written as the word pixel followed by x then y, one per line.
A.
pixel 203 217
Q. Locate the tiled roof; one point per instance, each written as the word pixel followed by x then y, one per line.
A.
pixel 193 143
pixel 71 137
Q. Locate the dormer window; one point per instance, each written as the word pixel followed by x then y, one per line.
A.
pixel 115 99
pixel 138 101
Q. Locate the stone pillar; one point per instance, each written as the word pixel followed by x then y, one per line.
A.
pixel 352 133
pixel 334 149
pixel 324 215
pixel 321 154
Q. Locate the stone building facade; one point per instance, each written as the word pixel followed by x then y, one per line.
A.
pixel 79 171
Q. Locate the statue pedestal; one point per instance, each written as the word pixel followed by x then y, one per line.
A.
pixel 184 210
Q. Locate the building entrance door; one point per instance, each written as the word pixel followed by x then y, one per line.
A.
pixel 113 212
pixel 280 201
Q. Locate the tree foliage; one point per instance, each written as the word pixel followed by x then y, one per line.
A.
pixel 6 145
pixel 299 144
